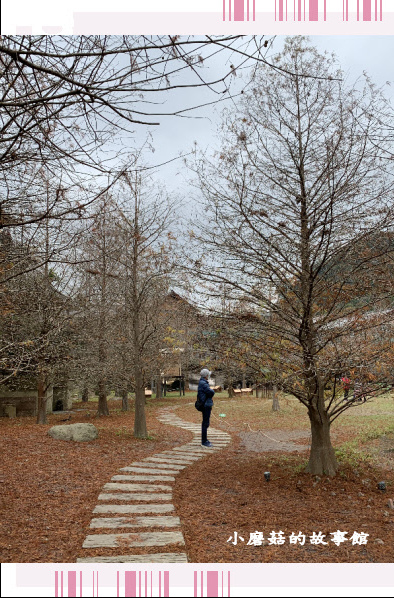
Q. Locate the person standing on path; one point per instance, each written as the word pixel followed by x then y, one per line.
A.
pixel 205 394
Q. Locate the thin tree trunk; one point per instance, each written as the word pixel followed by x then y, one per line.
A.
pixel 230 391
pixel 42 399
pixel 125 400
pixel 102 408
pixel 159 388
pixel 140 430
pixel 85 394
pixel 275 399
pixel 322 458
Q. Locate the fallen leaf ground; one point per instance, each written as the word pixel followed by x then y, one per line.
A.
pixel 48 488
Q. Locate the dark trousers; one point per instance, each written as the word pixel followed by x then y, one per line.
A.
pixel 206 414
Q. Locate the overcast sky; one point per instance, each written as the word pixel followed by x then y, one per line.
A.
pixel 356 54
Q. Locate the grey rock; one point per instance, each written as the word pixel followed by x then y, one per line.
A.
pixel 76 432
pixel 378 541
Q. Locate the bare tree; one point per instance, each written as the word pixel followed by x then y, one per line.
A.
pixel 301 212
pixel 69 105
pixel 145 219
pixel 99 299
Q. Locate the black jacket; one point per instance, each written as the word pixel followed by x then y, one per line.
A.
pixel 205 393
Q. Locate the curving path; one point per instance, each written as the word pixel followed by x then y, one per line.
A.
pixel 145 490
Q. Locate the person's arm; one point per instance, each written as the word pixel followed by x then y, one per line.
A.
pixel 209 392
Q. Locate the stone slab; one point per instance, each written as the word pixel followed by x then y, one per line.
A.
pixel 135 496
pixel 142 539
pixel 188 449
pixel 137 487
pixel 194 429
pixel 164 557
pixel 143 478
pixel 173 457
pixel 125 509
pixel 192 451
pixel 168 461
pixel 218 444
pixel 158 466
pixel 150 470
pixel 187 457
pixel 114 522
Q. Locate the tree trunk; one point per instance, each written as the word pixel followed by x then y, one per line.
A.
pixel 85 394
pixel 275 399
pixel 42 399
pixel 140 430
pixel 159 388
pixel 230 391
pixel 102 408
pixel 322 458
pixel 125 400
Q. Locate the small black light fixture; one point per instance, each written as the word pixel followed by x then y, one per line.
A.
pixel 382 486
pixel 267 476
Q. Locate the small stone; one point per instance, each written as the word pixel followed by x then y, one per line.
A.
pixel 378 541
pixel 333 493
pixel 361 494
pixel 390 503
pixel 386 513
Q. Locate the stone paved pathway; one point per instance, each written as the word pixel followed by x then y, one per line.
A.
pixel 146 488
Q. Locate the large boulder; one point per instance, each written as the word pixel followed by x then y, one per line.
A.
pixel 77 432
